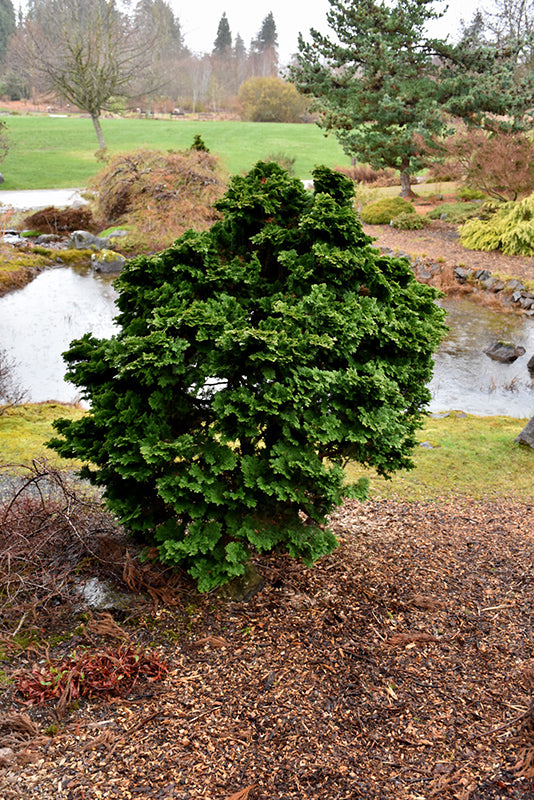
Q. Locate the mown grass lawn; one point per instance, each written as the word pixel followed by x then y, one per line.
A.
pixel 59 152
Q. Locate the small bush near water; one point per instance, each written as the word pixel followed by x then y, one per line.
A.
pixel 253 360
pixel 61 221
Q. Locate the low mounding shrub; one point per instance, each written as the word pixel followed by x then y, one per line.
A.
pixel 160 194
pixel 381 212
pixel 457 213
pixel 510 229
pixel 363 173
pixel 59 221
pixel 408 221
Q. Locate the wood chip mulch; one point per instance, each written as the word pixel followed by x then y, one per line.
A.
pixel 440 243
pixel 401 666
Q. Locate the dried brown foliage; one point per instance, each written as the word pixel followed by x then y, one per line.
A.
pixel 160 194
pixel 362 173
pixel 113 671
pixel 47 527
pixel 61 221
pixel 498 164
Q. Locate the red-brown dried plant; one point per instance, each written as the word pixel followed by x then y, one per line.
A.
pixel 363 173
pixel 113 671
pixel 61 220
pixel 500 164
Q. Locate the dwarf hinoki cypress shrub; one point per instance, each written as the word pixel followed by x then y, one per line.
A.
pixel 253 360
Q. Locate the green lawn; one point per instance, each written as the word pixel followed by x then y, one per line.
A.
pixel 56 152
pixel 463 455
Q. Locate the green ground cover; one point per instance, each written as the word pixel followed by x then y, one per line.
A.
pixel 471 457
pixel 59 152
pixel 462 455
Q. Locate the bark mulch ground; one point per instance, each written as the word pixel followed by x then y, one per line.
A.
pixel 440 243
pixel 401 666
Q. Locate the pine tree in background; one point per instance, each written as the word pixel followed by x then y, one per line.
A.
pixel 264 49
pixel 7 25
pixel 222 47
pixel 381 83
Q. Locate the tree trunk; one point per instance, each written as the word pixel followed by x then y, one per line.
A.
pixel 98 130
pixel 406 189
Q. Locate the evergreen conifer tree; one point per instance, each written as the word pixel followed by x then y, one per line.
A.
pixel 222 46
pixel 253 361
pixel 381 83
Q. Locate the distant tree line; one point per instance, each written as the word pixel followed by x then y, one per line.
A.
pixel 98 57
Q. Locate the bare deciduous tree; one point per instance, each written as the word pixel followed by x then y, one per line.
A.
pixel 10 393
pixel 83 50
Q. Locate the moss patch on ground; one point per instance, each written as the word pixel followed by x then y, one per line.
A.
pixel 462 455
pixel 18 268
pixel 25 429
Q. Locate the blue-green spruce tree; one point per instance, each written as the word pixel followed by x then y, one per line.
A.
pixel 253 361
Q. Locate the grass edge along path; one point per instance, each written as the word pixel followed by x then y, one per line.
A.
pixel 458 455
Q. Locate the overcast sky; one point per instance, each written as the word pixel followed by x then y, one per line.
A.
pixel 200 20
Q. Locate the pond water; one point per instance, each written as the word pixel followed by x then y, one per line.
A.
pixel 466 379
pixel 38 323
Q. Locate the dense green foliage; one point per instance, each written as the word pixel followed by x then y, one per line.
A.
pixel 222 45
pixel 385 88
pixel 253 361
pixel 510 229
pixel 382 211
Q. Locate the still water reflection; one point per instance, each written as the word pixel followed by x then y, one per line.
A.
pixel 38 323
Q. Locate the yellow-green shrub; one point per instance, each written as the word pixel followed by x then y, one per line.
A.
pixel 381 212
pixel 511 229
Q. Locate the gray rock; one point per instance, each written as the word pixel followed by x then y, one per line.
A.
pixel 107 261
pixel 514 285
pixel 530 364
pixel 244 587
pixel 482 274
pixel 505 352
pixel 83 240
pixel 102 596
pixel 462 274
pixel 47 238
pixel 526 436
